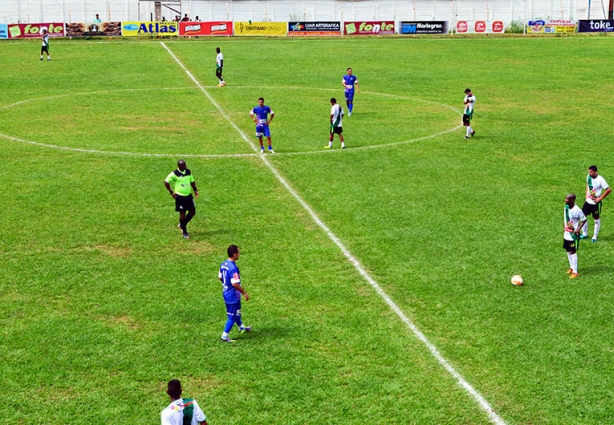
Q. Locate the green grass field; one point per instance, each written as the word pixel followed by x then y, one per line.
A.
pixel 102 302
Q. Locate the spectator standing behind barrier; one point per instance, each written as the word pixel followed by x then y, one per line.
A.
pixel 181 410
pixel 97 19
pixel 185 18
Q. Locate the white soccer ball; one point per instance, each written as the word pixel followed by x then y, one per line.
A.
pixel 517 280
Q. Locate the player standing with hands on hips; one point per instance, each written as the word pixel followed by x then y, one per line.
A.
pixel 468 112
pixel 181 410
pixel 232 290
pixel 574 219
pixel 182 181
pixel 260 115
pixel 219 66
pixel 350 82
pixel 595 185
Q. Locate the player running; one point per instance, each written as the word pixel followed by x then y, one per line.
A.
pixel 219 66
pixel 574 219
pixel 260 115
pixel 595 185
pixel 350 82
pixel 45 46
pixel 336 123
pixel 468 113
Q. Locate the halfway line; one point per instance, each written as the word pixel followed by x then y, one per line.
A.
pixel 494 418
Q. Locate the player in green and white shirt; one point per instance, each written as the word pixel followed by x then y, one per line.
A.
pixel 181 411
pixel 596 189
pixel 45 46
pixel 468 112
pixel 219 66
pixel 573 220
pixel 336 123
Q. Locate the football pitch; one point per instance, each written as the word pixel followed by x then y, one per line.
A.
pixel 379 275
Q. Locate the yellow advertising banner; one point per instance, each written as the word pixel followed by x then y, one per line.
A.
pixel 260 28
pixel 132 29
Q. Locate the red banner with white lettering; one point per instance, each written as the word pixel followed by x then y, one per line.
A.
pixel 205 28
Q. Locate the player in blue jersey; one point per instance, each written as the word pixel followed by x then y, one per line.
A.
pixel 262 115
pixel 350 82
pixel 232 290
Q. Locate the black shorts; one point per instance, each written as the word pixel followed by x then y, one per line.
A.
pixel 467 118
pixel 44 49
pixel 336 130
pixel 595 210
pixel 184 203
pixel 571 245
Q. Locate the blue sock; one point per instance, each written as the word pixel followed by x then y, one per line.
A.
pixel 239 322
pixel 229 324
pixel 350 107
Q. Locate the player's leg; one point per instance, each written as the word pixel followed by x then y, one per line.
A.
pixel 261 144
pixel 572 249
pixel 267 134
pixel 596 217
pixel 341 139
pixel 587 209
pixel 349 102
pixel 231 310
pixel 330 138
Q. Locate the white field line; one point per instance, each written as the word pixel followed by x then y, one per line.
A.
pixel 494 418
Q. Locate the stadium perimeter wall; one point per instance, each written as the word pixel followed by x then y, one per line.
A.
pixel 22 11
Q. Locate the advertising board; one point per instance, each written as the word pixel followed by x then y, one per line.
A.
pixel 369 28
pixel 205 28
pixel 423 27
pixel 480 27
pixel 596 25
pixel 55 29
pixel 551 26
pixel 243 29
pixel 135 29
pixel 314 29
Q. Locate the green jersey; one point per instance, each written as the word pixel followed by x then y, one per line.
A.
pixel 181 182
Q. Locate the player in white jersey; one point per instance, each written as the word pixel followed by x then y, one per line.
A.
pixel 573 219
pixel 181 410
pixel 336 123
pixel 45 46
pixel 468 112
pixel 596 189
pixel 219 66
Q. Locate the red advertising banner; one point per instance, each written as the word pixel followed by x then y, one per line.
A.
pixel 205 28
pixel 369 28
pixel 480 27
pixel 55 29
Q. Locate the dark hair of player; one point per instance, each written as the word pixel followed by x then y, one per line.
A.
pixel 174 388
pixel 593 168
pixel 261 98
pixel 333 100
pixel 217 50
pixel 232 250
pixel 467 90
pixel 348 68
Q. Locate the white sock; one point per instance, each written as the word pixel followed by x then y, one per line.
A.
pixel 342 144
pixel 573 259
pixel 585 228
pixel 468 131
pixel 224 335
pixel 569 259
pixel 330 144
pixel 597 227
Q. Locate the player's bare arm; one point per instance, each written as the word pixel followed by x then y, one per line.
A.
pixel 168 187
pixel 241 290
pixel 270 118
pixel 195 189
pixel 603 195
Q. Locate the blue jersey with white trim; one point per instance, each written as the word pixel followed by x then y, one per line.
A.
pixel 349 80
pixel 229 274
pixel 262 113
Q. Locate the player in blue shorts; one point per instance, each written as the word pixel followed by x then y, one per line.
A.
pixel 232 290
pixel 262 115
pixel 350 82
